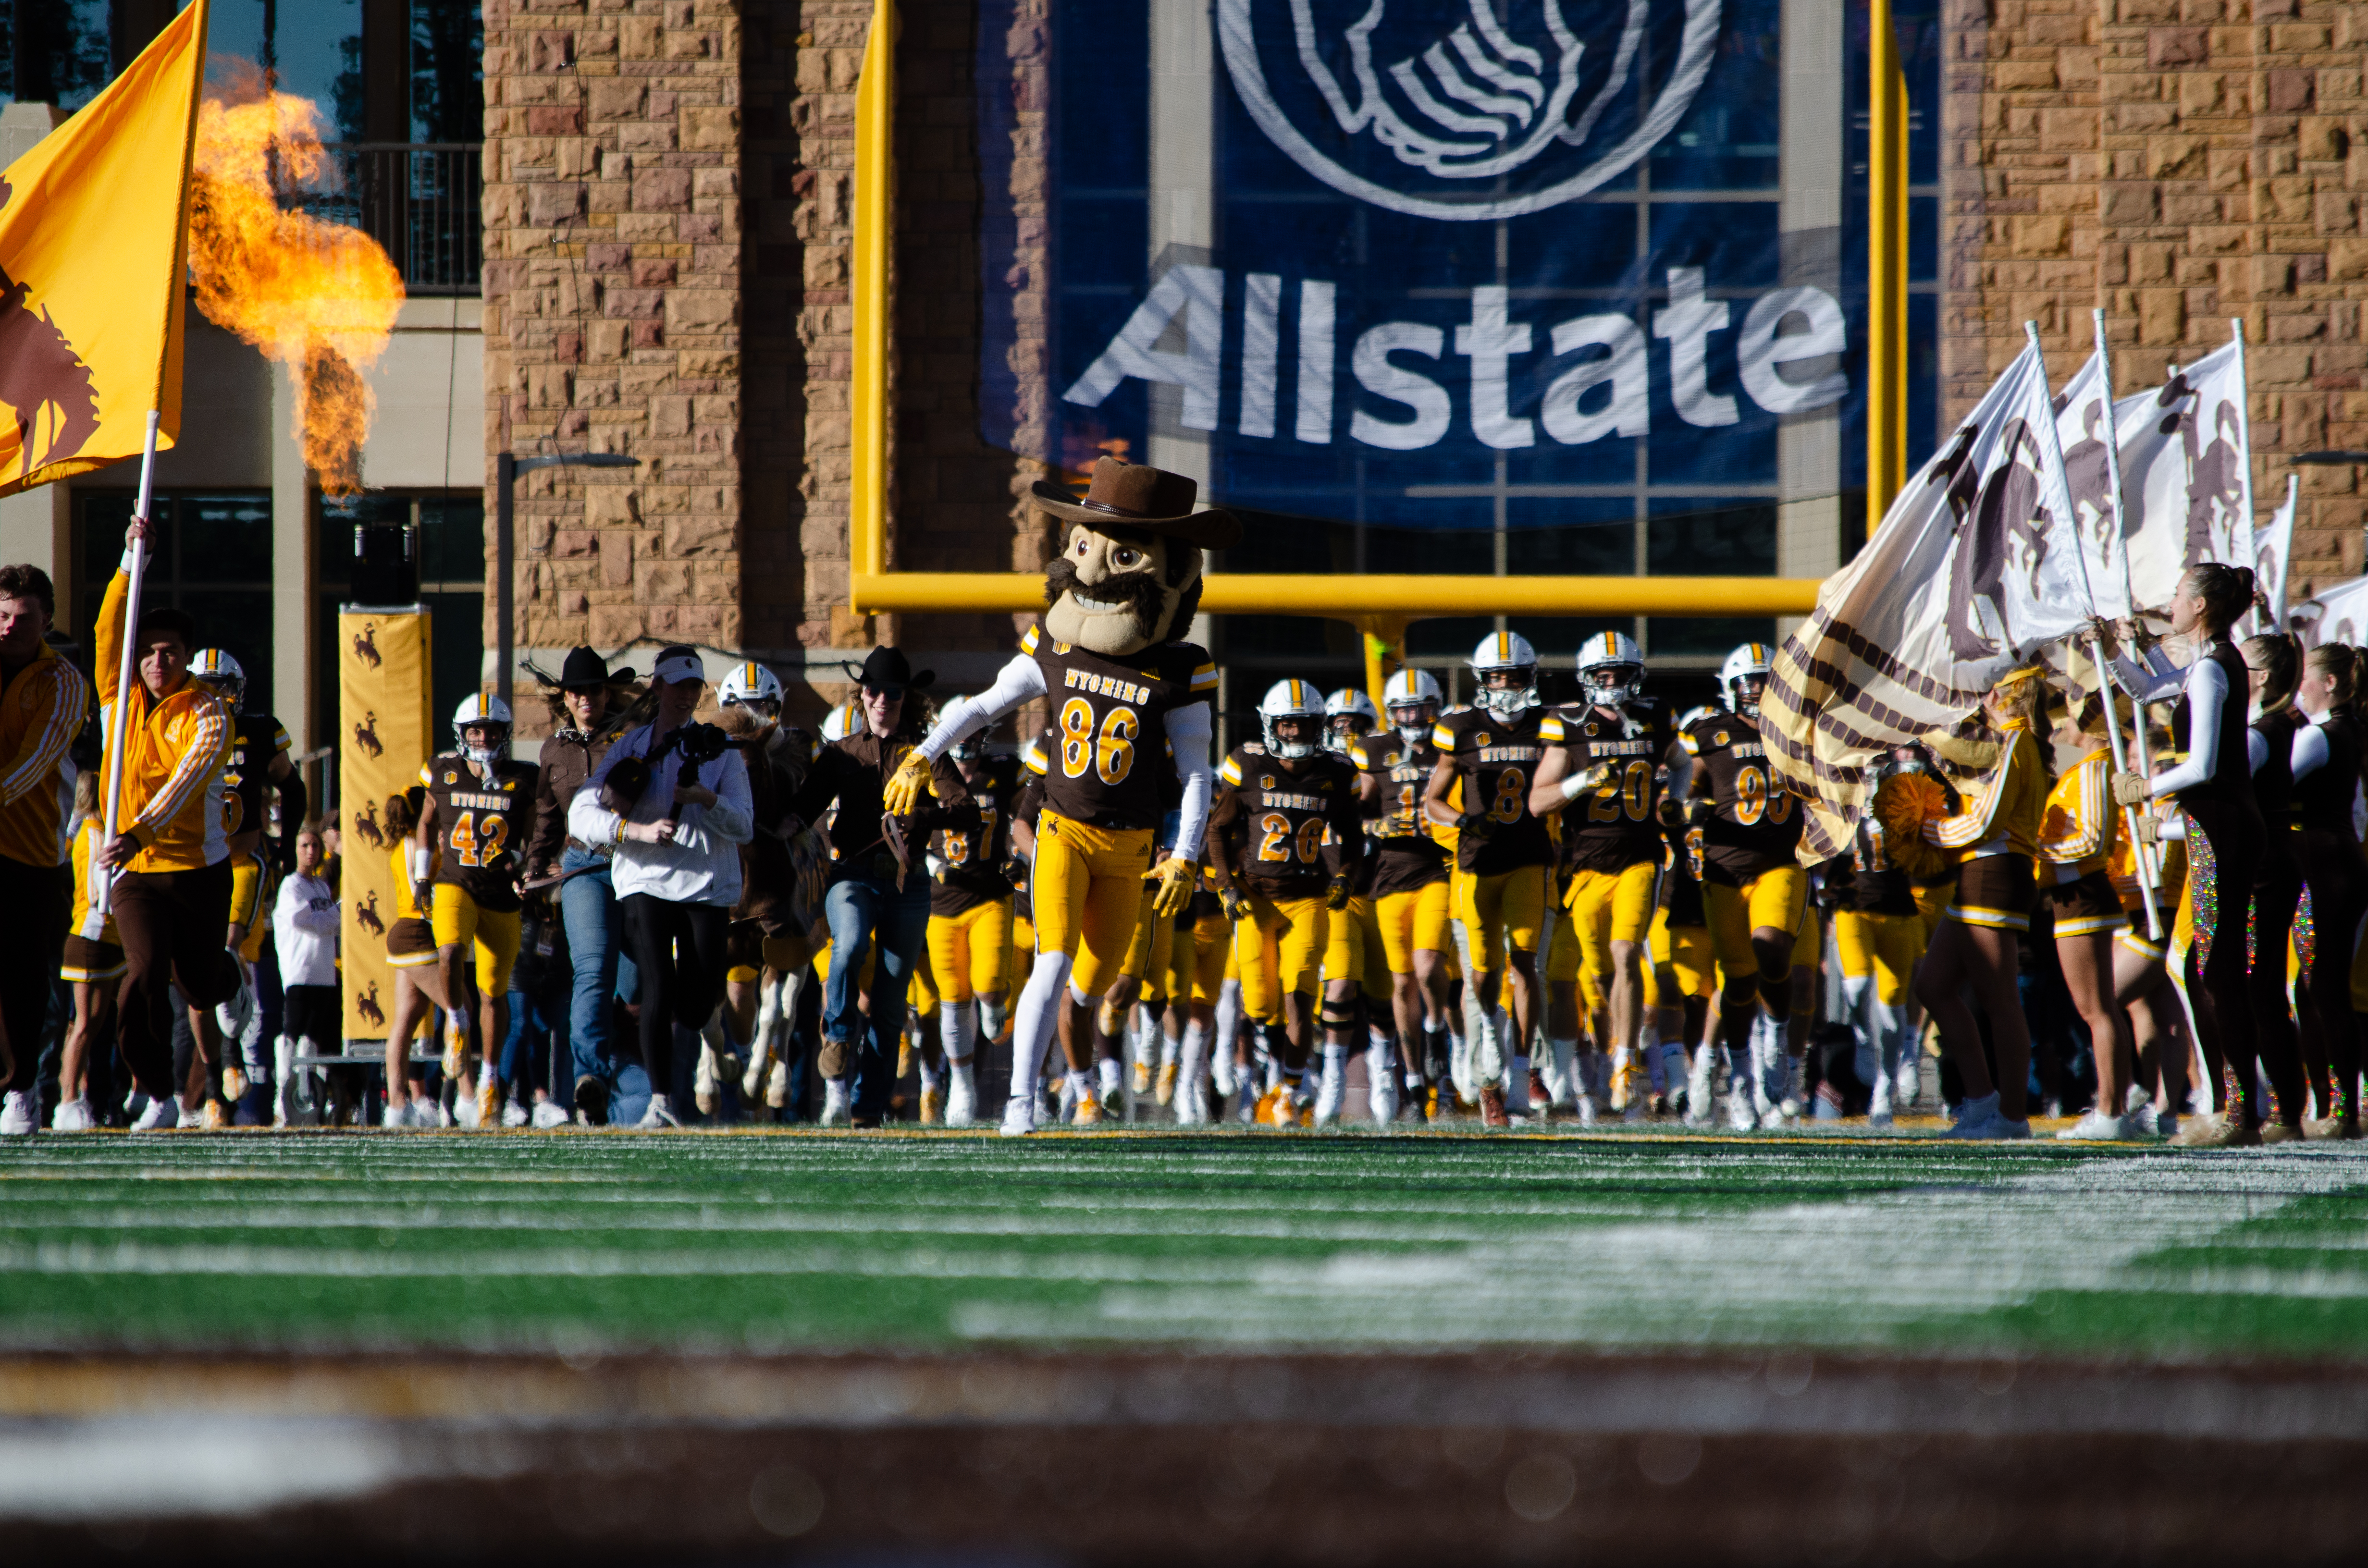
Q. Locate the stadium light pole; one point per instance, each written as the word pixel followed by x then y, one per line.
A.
pixel 507 466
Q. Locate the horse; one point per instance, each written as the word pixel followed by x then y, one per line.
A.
pixel 366 916
pixel 366 644
pixel 366 734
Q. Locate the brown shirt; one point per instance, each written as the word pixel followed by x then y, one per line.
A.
pixel 568 758
pixel 854 772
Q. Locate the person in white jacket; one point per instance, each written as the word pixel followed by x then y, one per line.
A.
pixel 671 798
pixel 304 931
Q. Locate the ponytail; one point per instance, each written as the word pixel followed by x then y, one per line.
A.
pixel 2274 655
pixel 2227 592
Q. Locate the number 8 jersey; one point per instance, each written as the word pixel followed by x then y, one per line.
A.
pixel 1106 714
pixel 1756 824
pixel 1497 763
pixel 482 827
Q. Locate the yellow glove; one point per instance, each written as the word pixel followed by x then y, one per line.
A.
pixel 905 788
pixel 1175 875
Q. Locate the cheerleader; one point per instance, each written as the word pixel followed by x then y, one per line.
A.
pixel 2222 827
pixel 2326 762
pixel 2270 671
pixel 1995 838
pixel 2076 843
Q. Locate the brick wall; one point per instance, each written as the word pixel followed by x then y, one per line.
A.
pixel 2180 163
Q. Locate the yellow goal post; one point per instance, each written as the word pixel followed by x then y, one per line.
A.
pixel 1379 605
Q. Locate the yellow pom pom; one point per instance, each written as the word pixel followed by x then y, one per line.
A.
pixel 1903 805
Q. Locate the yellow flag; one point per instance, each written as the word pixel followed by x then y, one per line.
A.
pixel 93 226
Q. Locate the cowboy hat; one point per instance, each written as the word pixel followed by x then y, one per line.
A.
pixel 888 666
pixel 585 670
pixel 1145 499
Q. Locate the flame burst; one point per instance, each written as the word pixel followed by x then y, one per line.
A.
pixel 317 297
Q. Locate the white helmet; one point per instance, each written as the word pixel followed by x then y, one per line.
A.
pixel 1506 651
pixel 842 722
pixel 973 744
pixel 1750 659
pixel 1348 702
pixel 1411 687
pixel 1611 669
pixel 749 682
pixel 1290 699
pixel 219 671
pixel 481 711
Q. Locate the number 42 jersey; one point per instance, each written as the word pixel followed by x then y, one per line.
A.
pixel 1109 746
pixel 482 826
pixel 1756 822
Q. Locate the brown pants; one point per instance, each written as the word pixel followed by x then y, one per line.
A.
pixel 173 925
pixel 38 900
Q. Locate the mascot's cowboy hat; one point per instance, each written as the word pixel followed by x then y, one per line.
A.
pixel 1125 495
pixel 888 669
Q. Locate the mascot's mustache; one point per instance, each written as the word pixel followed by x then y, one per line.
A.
pixel 1138 593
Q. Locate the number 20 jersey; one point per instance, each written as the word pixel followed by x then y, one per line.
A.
pixel 1107 750
pixel 481 826
pixel 1755 823
pixel 1614 827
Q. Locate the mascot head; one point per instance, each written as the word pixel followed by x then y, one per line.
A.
pixel 1129 572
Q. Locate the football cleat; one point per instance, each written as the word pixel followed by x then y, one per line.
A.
pixel 962 1095
pixel 1143 1079
pixel 1166 1091
pixel 1492 1106
pixel 1276 1108
pixel 1088 1112
pixel 660 1115
pixel 932 1106
pixel 1019 1116
pixel 161 1116
pixel 211 1117
pixel 489 1100
pixel 514 1113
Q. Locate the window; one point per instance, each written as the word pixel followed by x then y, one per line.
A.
pixel 211 557
pixel 452 585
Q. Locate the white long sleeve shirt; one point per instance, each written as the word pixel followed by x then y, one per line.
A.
pixel 304 930
pixel 701 864
pixel 2206 688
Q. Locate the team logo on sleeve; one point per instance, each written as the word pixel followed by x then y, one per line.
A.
pixel 1467 109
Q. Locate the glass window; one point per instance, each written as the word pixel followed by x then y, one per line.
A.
pixel 57 51
pixel 452 585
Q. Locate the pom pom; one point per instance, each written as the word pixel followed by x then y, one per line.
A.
pixel 1903 805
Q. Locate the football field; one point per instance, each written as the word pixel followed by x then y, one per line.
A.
pixel 814 1241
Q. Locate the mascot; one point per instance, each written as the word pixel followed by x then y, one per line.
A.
pixel 1130 709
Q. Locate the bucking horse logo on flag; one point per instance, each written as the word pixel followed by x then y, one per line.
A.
pixel 43 381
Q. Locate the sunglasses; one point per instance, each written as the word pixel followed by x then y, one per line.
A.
pixel 890 692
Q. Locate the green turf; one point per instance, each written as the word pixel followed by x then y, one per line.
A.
pixel 1245 1241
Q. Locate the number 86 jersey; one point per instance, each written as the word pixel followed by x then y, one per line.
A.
pixel 482 827
pixel 1756 822
pixel 1108 745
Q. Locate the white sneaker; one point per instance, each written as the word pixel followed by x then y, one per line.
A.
pixel 73 1116
pixel 162 1115
pixel 513 1114
pixel 1330 1093
pixel 836 1108
pixel 962 1093
pixel 20 1113
pixel 1698 1088
pixel 660 1114
pixel 547 1115
pixel 465 1106
pixel 703 1077
pixel 2093 1127
pixel 1019 1116
pixel 400 1118
pixel 233 1015
pixel 1910 1076
pixel 1382 1096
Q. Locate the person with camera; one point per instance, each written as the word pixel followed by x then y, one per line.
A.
pixel 589 704
pixel 879 893
pixel 670 801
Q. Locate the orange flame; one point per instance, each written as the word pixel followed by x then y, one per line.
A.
pixel 317 297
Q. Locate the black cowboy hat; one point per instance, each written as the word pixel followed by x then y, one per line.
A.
pixel 1148 500
pixel 888 666
pixel 586 670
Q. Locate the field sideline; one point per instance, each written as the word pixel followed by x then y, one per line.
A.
pixel 1625 1241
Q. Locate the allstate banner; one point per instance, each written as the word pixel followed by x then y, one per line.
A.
pixel 383 725
pixel 1450 255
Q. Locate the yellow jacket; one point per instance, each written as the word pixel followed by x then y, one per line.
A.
pixel 88 923
pixel 174 754
pixel 2010 800
pixel 2076 832
pixel 41 711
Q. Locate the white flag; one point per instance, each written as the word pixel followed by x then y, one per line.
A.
pixel 2273 552
pixel 2183 474
pixel 2337 613
pixel 2081 423
pixel 1972 571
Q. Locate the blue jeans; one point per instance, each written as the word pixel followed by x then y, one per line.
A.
pixel 861 908
pixel 603 969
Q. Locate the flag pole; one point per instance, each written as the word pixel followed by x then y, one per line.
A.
pixel 127 667
pixel 2149 877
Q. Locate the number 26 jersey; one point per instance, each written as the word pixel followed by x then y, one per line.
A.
pixel 482 826
pixel 1109 766
pixel 1756 822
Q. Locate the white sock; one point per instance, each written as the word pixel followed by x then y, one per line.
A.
pixel 1229 1015
pixel 990 1019
pixel 930 1076
pixel 955 1022
pixel 1037 1018
pixel 1336 1062
pixel 1566 1061
pixel 1107 1071
pixel 833 1093
pixel 1171 1047
pixel 1192 1053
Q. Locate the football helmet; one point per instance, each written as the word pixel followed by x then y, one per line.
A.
pixel 481 711
pixel 221 673
pixel 972 746
pixel 1412 696
pixel 1506 651
pixel 842 720
pixel 1611 669
pixel 1747 663
pixel 749 682
pixel 1347 704
pixel 1292 699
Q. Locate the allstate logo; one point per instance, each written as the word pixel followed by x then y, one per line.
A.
pixel 1484 110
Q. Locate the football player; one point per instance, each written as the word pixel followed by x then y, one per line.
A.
pixel 1285 809
pixel 970 920
pixel 1356 965
pixel 1410 882
pixel 477 816
pixel 1754 892
pixel 1683 971
pixel 1599 774
pixel 1492 751
pixel 768 953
